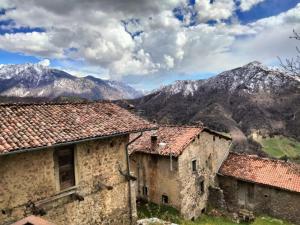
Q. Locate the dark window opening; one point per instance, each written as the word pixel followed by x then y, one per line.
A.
pixel 145 191
pixel 112 144
pixel 203 210
pixel 194 165
pixel 201 186
pixel 165 199
pixel 214 138
pixel 65 159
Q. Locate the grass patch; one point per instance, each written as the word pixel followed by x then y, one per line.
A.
pixel 147 210
pixel 167 213
pixel 280 146
pixel 269 221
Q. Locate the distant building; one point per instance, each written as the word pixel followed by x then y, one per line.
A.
pixel 66 163
pixel 175 165
pixel 260 185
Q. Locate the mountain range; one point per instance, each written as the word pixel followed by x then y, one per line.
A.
pixel 250 101
pixel 36 80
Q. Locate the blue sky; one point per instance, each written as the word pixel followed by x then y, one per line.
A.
pixel 149 43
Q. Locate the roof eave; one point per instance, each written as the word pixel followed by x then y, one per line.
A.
pixel 74 142
pixel 258 183
pixel 217 133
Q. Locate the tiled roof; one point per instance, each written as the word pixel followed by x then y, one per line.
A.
pixel 276 173
pixel 175 139
pixel 37 125
pixel 34 220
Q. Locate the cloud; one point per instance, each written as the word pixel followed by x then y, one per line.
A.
pixel 144 38
pixel 220 9
pixel 246 5
pixel 45 62
pixel 35 43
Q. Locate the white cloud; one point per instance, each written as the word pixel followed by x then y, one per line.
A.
pixel 246 5
pixel 44 62
pixel 30 43
pixel 93 33
pixel 220 9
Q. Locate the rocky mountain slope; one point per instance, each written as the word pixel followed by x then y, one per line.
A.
pixel 36 80
pixel 248 101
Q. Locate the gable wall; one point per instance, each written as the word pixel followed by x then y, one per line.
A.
pixel 31 176
pixel 201 149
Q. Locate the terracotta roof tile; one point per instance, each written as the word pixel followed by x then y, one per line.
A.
pixel 176 138
pixel 34 220
pixel 36 125
pixel 265 171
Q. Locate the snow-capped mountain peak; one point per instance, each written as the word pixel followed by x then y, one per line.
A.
pixel 32 80
pixel 253 77
pixel 186 87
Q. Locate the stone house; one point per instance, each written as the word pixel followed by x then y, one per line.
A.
pixel 175 165
pixel 67 163
pixel 261 185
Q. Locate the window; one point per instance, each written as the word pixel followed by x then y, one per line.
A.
pixel 201 187
pixel 209 162
pixel 165 199
pixel 199 182
pixel 145 191
pixel 65 163
pixel 194 165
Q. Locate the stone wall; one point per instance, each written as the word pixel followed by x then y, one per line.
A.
pixel 266 200
pixel 153 172
pixel 216 198
pixel 31 176
pixel 181 185
pixel 209 151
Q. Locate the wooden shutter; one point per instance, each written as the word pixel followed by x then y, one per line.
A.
pixel 65 159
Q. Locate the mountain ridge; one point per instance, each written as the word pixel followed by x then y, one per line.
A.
pixel 248 100
pixel 36 80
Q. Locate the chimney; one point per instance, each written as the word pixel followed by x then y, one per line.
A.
pixel 153 142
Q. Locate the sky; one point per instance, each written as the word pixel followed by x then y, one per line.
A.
pixel 147 43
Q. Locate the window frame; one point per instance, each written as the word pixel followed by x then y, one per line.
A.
pixel 58 155
pixel 194 165
pixel 165 199
pixel 201 187
pixel 145 191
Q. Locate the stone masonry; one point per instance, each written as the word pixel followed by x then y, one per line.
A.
pixel 31 177
pixel 264 200
pixel 181 184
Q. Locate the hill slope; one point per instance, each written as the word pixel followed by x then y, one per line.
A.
pixel 36 80
pixel 246 101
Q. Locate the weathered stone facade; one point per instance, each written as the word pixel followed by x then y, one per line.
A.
pixel 187 190
pixel 209 151
pixel 153 172
pixel 260 199
pixel 31 176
